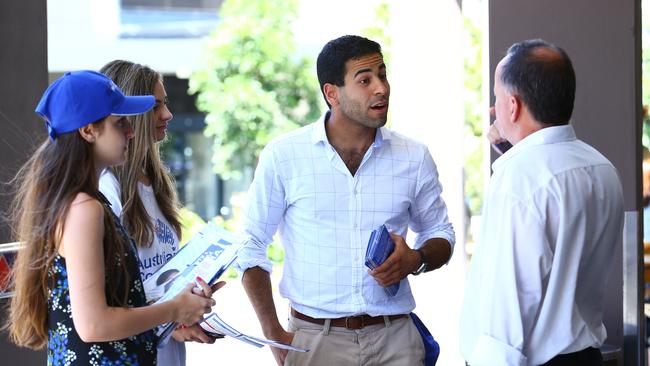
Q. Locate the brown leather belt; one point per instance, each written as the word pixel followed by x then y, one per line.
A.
pixel 349 322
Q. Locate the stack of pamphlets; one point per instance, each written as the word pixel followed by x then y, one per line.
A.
pixel 380 247
pixel 207 255
pixel 213 325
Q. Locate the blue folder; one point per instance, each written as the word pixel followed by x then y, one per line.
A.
pixel 380 247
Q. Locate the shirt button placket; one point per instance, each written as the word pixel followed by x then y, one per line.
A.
pixel 354 237
pixel 359 241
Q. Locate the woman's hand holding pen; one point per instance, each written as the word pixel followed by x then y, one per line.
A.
pixel 201 288
pixel 191 304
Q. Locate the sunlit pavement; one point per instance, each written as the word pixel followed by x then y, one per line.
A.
pixel 235 309
pixel 438 296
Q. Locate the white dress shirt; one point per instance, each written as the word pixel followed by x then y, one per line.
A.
pixel 325 215
pixel 552 219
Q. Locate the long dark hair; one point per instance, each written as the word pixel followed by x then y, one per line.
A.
pixel 45 187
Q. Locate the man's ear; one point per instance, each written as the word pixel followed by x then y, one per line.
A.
pixel 516 106
pixel 331 93
pixel 88 133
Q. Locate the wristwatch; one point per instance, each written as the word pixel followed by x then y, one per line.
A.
pixel 423 263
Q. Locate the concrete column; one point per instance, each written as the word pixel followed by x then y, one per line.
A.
pixel 23 78
pixel 426 76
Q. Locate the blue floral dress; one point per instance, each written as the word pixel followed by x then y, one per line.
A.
pixel 65 347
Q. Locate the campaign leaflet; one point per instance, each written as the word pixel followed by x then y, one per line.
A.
pixel 215 326
pixel 207 255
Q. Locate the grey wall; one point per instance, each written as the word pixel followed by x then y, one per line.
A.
pixel 603 40
pixel 23 78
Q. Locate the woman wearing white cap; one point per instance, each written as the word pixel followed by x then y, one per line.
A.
pixel 76 279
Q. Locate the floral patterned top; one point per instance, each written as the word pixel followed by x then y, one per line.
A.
pixel 65 347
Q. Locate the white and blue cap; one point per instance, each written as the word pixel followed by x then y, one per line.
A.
pixel 79 98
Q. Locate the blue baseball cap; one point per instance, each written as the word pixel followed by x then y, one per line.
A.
pixel 79 98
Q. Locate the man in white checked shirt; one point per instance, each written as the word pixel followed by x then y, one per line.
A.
pixel 324 188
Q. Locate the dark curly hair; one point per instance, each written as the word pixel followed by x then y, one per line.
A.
pixel 330 65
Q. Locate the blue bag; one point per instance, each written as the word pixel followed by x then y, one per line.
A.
pixel 431 347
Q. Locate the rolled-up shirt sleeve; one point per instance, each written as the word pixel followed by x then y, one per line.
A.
pixel 263 213
pixel 429 217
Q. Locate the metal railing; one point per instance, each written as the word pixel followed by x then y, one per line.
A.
pixel 7 249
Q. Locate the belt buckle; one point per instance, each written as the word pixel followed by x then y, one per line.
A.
pixel 353 326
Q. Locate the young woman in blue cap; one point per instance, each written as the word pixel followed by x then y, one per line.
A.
pixel 76 280
pixel 142 191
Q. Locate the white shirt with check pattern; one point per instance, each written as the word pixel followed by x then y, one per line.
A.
pixel 324 217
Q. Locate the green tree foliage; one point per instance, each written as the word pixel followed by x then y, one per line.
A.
pixel 377 30
pixel 473 104
pixel 251 84
pixel 191 222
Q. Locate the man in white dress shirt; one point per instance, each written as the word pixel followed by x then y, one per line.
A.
pixel 324 188
pixel 553 217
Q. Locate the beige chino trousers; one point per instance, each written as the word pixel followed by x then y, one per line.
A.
pixel 394 343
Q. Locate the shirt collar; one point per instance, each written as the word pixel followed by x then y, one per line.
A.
pixel 318 133
pixel 545 136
